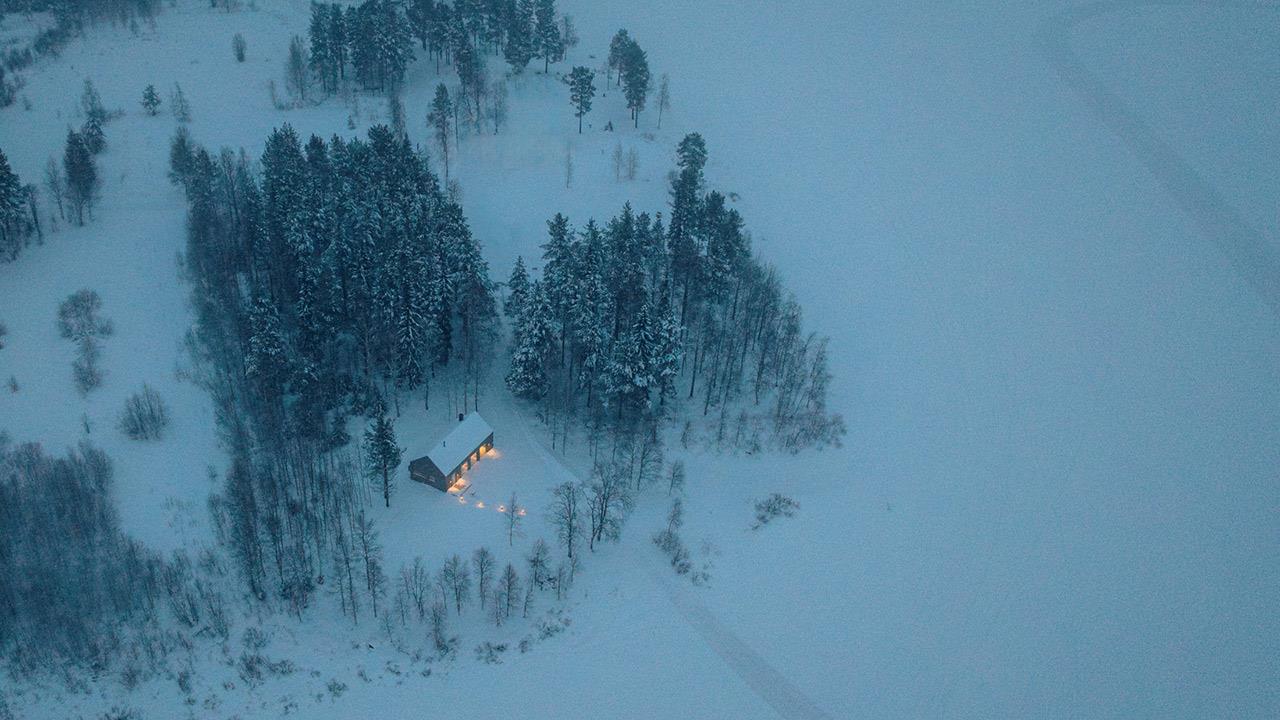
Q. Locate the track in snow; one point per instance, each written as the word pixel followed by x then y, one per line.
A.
pixel 762 678
pixel 1249 252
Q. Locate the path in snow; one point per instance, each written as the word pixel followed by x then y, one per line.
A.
pixel 763 679
pixel 1249 252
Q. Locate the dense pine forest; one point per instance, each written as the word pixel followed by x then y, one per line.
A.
pixel 633 319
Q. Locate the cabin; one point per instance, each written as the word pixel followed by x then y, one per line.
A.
pixel 442 468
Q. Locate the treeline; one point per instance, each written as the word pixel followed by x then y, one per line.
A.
pixel 80 10
pixel 630 317
pixel 70 18
pixel 374 40
pixel 74 589
pixel 19 214
pixel 334 282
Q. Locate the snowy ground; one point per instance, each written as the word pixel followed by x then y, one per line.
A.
pixel 1058 495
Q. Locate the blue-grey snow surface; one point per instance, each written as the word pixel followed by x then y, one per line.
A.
pixel 1059 494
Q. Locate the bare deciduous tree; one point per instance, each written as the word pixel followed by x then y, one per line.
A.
pixel 483 562
pixel 566 515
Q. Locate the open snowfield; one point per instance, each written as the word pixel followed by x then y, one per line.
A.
pixel 1060 491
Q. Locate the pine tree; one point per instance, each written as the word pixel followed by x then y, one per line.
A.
pixel 685 212
pixel 13 224
pixel 339 38
pixel 296 74
pixel 617 52
pixel 547 33
pixel 517 290
pixel 324 56
pixel 394 41
pixel 91 104
pixel 473 75
pixel 581 91
pixel 635 79
pixel 440 118
pixel 81 174
pixel 150 100
pixel 421 14
pixel 519 49
pixel 382 455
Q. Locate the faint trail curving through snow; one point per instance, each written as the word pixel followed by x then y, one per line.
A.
pixel 1252 255
pixel 763 679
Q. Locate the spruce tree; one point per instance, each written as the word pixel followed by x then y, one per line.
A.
pixel 150 100
pixel 81 174
pixel 382 455
pixel 581 91
pixel 267 362
pixel 517 290
pixel 13 224
pixel 94 138
pixel 535 338
pixel 440 118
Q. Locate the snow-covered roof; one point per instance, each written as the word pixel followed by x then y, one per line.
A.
pixel 460 442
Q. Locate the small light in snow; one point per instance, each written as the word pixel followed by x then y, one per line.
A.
pixel 480 505
pixel 502 508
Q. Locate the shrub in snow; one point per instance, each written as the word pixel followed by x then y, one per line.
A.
pixel 3 331
pixel 238 47
pixel 144 416
pixel 668 540
pixel 490 654
pixel 78 318
pixel 774 506
pixel 85 371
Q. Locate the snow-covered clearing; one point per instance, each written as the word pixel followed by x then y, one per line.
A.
pixel 1058 496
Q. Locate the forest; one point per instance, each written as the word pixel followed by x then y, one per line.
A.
pixel 337 281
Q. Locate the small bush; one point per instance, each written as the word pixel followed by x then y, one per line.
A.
pixel 3 331
pixel 238 47
pixel 145 416
pixel 490 654
pixel 79 319
pixel 774 506
pixel 85 370
pixel 673 547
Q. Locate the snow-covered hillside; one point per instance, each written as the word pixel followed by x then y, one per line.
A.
pixel 1058 495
